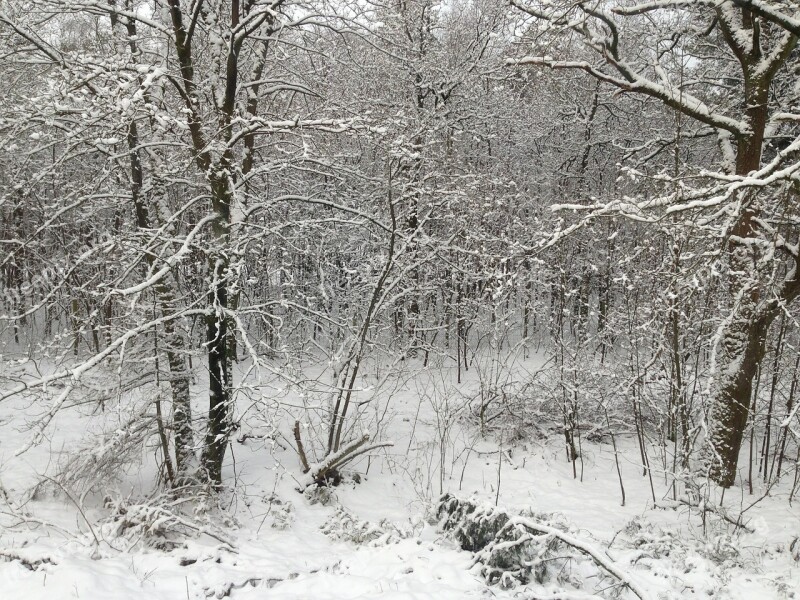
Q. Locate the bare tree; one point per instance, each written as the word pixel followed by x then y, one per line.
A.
pixel 745 197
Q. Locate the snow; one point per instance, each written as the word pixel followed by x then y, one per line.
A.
pixel 270 541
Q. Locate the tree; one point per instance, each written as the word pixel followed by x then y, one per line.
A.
pixel 188 88
pixel 740 204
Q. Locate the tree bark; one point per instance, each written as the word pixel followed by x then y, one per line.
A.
pixel 217 334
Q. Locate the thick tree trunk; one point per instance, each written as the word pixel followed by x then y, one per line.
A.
pixel 219 394
pixel 219 175
pixel 217 334
pixel 742 349
pixel 743 342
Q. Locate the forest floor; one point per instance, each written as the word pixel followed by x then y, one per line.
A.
pixel 378 537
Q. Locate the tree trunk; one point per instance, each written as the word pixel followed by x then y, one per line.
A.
pixel 217 333
pixel 743 342
pixel 174 341
pixel 742 349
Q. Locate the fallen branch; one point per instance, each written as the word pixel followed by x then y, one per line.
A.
pixel 513 548
pixel 595 554
pixel 318 473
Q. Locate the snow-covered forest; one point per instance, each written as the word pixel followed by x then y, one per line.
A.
pixel 447 299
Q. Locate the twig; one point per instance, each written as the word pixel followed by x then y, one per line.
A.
pixel 78 506
pixel 705 507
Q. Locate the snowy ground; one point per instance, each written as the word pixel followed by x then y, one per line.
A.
pixel 377 538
